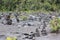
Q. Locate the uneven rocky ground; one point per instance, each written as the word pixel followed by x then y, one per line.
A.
pixel 27 27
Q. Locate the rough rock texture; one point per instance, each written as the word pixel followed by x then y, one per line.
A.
pixel 28 30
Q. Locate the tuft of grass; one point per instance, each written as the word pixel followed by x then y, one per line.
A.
pixel 55 24
pixel 23 18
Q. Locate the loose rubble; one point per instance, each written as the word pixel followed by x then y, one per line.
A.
pixel 31 29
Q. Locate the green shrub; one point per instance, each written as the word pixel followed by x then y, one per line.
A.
pixel 47 6
pixel 55 24
pixel 27 5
